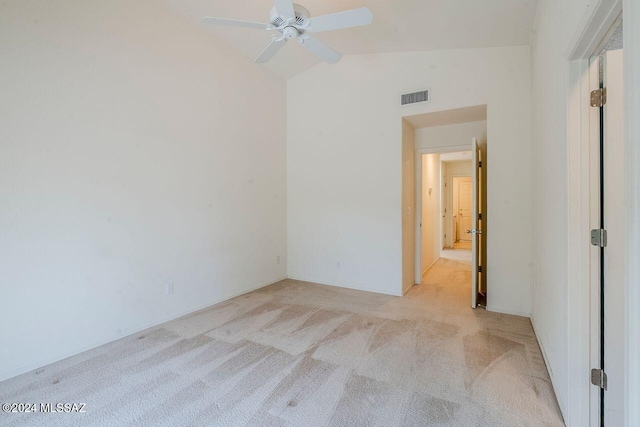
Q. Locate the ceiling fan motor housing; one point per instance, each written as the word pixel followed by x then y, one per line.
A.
pixel 291 32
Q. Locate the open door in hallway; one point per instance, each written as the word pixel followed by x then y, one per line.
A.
pixel 464 202
pixel 478 295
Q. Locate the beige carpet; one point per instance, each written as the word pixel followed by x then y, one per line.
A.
pixel 462 245
pixel 300 354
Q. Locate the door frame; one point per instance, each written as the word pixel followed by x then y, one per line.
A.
pixel 418 203
pixel 631 16
pixel 453 177
pixel 593 28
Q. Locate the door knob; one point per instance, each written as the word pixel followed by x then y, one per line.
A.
pixel 474 231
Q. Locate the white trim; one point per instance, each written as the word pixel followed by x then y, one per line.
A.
pixel 592 145
pixel 578 249
pixel 128 333
pixel 593 28
pixel 631 16
pixel 582 405
pixel 546 360
pixel 450 149
pixel 345 286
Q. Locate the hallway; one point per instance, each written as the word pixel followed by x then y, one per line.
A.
pixel 462 245
pixel 297 353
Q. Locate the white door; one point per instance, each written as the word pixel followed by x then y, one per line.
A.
pixel 614 252
pixel 476 231
pixel 465 208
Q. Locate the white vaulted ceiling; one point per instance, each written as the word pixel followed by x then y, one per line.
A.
pixel 398 26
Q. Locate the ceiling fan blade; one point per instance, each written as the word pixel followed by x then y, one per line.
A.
pixel 285 8
pixel 234 23
pixel 337 21
pixel 270 51
pixel 320 49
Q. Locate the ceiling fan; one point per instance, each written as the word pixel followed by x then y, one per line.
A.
pixel 292 21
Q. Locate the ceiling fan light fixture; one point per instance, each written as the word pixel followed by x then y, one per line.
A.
pixel 290 33
pixel 293 21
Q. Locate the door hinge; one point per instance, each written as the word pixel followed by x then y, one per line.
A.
pixel 599 378
pixel 599 97
pixel 480 216
pixel 479 269
pixel 479 164
pixel 599 238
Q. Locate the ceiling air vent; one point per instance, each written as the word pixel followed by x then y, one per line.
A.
pixel 415 97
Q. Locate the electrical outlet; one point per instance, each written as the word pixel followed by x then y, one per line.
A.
pixel 278 259
pixel 169 290
pixel 338 265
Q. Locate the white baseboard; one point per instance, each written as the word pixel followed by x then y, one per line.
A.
pixel 126 333
pixel 343 285
pixel 547 365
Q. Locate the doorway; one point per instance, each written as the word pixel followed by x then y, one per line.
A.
pixel 438 138
pixel 601 159
pixel 462 210
pixel 449 207
pixel 457 199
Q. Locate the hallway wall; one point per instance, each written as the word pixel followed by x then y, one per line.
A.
pixel 408 207
pixel 431 225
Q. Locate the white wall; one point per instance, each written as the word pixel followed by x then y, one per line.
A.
pixel 344 164
pixel 408 207
pixel 451 135
pixel 445 207
pixel 559 26
pixel 550 189
pixel 431 223
pixel 135 151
